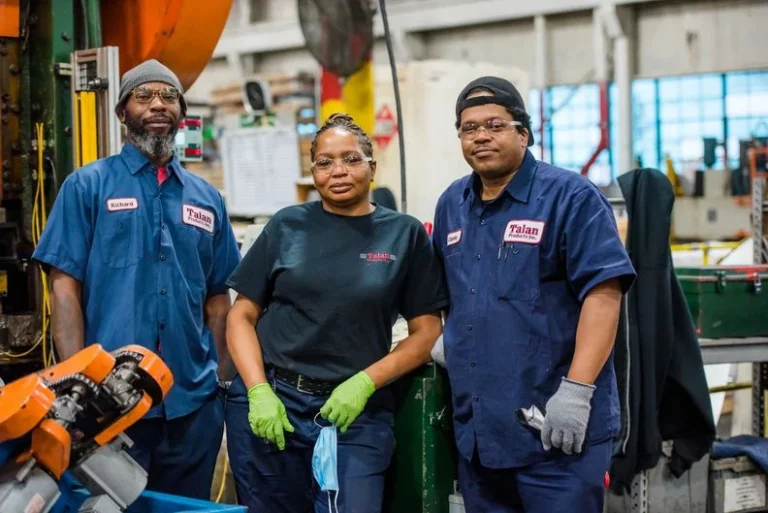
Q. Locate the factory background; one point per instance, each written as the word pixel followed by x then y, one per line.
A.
pixel 693 68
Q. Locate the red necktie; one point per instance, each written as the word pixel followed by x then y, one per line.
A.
pixel 162 174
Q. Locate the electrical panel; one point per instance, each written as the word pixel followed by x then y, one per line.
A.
pixel 189 139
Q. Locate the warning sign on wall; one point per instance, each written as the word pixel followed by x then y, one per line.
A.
pixel 386 127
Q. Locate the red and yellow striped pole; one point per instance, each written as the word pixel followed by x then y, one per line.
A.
pixel 353 96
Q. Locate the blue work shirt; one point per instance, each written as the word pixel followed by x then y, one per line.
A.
pixel 148 257
pixel 518 269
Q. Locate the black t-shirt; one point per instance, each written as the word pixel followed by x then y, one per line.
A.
pixel 331 287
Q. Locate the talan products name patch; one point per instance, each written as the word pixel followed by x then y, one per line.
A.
pixel 197 217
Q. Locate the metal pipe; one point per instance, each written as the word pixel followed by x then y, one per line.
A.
pixel 542 63
pixel 93 23
pixel 398 107
pixel 730 387
pixel 623 74
pixel 604 133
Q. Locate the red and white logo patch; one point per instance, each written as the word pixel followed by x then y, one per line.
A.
pixel 454 238
pixel 524 231
pixel 378 257
pixel 197 217
pixel 118 204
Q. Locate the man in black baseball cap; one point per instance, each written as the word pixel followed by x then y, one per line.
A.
pixel 498 91
pixel 536 272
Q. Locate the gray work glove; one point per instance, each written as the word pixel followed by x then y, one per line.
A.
pixel 566 417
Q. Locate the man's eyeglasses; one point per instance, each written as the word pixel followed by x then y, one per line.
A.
pixel 492 126
pixel 166 94
pixel 324 165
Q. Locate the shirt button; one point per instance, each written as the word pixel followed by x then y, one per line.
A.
pixel 469 327
pixel 162 258
pixel 162 292
pixel 471 291
pixel 475 398
pixel 477 257
pixel 472 364
pixel 162 227
pixel 482 223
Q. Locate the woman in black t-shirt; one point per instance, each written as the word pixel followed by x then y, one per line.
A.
pixel 311 331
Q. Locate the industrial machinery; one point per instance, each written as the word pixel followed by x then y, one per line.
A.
pixel 60 68
pixel 70 418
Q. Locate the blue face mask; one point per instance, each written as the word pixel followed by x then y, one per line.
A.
pixel 324 465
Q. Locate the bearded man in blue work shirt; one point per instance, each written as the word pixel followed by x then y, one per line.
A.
pixel 139 251
pixel 536 271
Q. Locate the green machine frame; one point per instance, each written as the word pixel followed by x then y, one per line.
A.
pixel 35 88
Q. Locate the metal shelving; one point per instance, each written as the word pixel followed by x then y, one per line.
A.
pixel 759 256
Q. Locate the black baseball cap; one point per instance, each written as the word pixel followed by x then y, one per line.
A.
pixel 504 94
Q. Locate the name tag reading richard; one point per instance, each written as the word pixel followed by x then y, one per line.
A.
pixel 118 204
pixel 197 217
pixel 524 231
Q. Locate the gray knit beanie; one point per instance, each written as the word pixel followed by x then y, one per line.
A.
pixel 148 71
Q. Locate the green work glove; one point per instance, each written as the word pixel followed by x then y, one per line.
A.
pixel 348 400
pixel 266 415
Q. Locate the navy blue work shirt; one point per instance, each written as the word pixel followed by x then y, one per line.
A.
pixel 148 257
pixel 518 269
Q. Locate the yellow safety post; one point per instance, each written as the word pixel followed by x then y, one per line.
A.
pixel 88 132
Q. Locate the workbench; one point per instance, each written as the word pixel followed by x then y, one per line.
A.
pixel 734 350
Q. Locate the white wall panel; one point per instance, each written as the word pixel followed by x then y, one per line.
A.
pixel 703 36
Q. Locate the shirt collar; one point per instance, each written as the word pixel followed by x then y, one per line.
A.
pixel 137 161
pixel 518 188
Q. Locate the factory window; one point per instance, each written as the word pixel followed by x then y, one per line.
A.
pixel 690 108
pixel 671 116
pixel 746 110
pixel 574 130
pixel 533 107
pixel 645 124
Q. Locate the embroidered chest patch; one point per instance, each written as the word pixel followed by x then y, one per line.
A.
pixel 524 231
pixel 198 217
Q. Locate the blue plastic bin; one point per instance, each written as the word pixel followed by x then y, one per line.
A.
pixel 73 496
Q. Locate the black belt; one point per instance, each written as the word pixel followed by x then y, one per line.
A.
pixel 305 384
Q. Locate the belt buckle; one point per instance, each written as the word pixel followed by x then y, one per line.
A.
pixel 300 388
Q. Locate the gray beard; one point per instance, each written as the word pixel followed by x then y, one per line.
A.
pixel 154 147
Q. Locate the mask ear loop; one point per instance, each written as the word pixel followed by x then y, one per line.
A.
pixel 315 421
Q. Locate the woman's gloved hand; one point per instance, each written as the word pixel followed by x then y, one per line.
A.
pixel 348 400
pixel 267 415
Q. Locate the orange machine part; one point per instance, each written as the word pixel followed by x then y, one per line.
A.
pixel 93 362
pixel 9 18
pixel 51 445
pixel 154 366
pixel 126 421
pixel 23 404
pixel 181 34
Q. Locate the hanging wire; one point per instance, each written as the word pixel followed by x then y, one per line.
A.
pixel 398 107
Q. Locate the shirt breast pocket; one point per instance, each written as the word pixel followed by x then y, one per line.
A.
pixel 454 273
pixel 121 237
pixel 195 253
pixel 517 272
